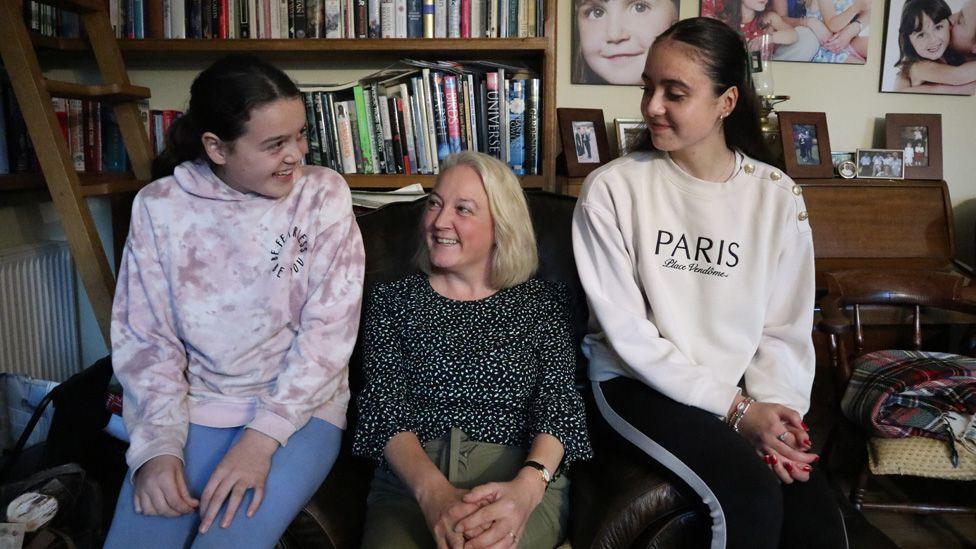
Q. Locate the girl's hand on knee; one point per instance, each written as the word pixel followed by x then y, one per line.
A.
pixel 244 467
pixel 160 488
pixel 786 470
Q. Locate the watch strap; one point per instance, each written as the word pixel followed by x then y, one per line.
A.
pixel 546 475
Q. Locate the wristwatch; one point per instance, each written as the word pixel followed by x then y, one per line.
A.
pixel 546 475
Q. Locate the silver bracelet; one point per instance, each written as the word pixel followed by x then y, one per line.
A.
pixel 739 413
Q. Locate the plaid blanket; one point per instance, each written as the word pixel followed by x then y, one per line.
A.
pixel 914 393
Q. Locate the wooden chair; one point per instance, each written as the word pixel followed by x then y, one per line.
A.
pixel 874 297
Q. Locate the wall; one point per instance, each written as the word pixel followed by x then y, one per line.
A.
pixel 847 93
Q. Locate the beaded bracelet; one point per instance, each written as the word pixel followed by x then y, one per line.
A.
pixel 740 411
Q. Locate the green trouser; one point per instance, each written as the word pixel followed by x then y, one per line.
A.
pixel 394 519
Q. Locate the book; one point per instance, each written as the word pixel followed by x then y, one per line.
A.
pixel 344 131
pixel 376 124
pixel 415 20
pixel 300 20
pixel 333 18
pixel 532 102
pixel 315 14
pixel 516 121
pixel 437 100
pixel 396 133
pixel 362 19
pixel 465 18
pixel 114 155
pixel 364 131
pixel 451 113
pixel 354 128
pixel 388 154
pixel 440 18
pixel 76 134
pixel 387 19
pixel 493 116
pixel 400 18
pixel 407 141
pixel 373 11
pixel 453 18
pixel 377 199
pixel 428 16
pixel 426 83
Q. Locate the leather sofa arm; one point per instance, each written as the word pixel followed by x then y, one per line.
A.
pixel 334 517
pixel 623 499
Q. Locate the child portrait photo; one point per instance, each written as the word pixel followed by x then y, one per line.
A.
pixel 930 47
pixel 812 31
pixel 611 38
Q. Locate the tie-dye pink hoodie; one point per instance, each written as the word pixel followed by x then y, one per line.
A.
pixel 235 309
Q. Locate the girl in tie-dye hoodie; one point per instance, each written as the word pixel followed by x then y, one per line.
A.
pixel 236 311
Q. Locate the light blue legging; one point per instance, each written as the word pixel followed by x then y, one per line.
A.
pixel 297 470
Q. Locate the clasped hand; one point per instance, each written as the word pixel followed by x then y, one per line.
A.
pixel 491 515
pixel 160 484
pixel 780 437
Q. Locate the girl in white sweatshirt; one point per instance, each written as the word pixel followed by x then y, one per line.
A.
pixel 697 261
pixel 235 314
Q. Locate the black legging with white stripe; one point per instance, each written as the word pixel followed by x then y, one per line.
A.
pixel 749 506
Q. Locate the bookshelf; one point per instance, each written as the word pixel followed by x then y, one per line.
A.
pixel 537 52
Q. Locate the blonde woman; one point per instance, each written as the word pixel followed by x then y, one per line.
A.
pixel 469 406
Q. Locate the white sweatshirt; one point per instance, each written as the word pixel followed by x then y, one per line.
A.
pixel 692 284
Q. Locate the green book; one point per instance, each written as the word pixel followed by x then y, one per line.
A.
pixel 365 132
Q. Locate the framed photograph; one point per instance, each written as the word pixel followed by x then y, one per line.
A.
pixel 628 130
pixel 611 39
pixel 920 137
pixel 755 19
pixel 806 146
pixel 840 157
pixel 928 57
pixel 584 138
pixel 880 164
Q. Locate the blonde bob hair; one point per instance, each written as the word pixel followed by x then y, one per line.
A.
pixel 514 258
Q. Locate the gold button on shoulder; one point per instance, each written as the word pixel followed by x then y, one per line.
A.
pixel 802 216
pixel 797 190
pixel 775 176
pixel 749 168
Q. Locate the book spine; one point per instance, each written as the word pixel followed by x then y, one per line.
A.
pixel 155 18
pixel 325 137
pixel 396 125
pixel 491 23
pixel 532 126
pixel 523 14
pixel 503 113
pixel 462 113
pixel 473 113
pixel 406 137
pixel 223 24
pixel 400 21
pixel 96 114
pixel 493 110
pixel 357 147
pixel 453 18
pixel 428 14
pixel 388 154
pixel 60 106
pixel 513 18
pixel 420 123
pixel 451 113
pixel 440 116
pixel 477 18
pixel 362 19
pixel 530 18
pixel 387 19
pixel 427 82
pixel 465 18
pixel 332 18
pixel 415 20
pixel 300 20
pixel 315 14
pixel 365 132
pixel 516 127
pixel 375 28
pixel 440 18
pixel 376 127
pixel 345 138
pixel 314 155
pixel 419 135
pixel 243 18
pixel 503 18
pixel 76 136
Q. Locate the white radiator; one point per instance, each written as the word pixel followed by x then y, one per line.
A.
pixel 39 312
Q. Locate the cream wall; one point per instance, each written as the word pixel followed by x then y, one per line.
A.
pixel 848 94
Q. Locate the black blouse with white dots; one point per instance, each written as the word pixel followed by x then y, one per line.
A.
pixel 499 368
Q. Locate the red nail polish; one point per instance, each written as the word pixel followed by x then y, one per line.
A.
pixel 805 428
pixel 808 443
pixel 816 458
pixel 807 468
pixel 774 460
pixel 788 466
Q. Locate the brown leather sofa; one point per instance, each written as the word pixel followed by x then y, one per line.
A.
pixel 620 498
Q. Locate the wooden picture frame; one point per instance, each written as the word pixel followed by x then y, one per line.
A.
pixel 921 132
pixel 627 131
pixel 806 144
pixel 584 137
pixel 880 164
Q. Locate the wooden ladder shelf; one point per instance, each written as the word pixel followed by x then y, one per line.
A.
pixel 33 92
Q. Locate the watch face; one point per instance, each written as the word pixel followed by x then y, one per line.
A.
pixel 847 169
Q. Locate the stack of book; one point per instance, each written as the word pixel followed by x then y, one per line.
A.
pixel 90 129
pixel 409 122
